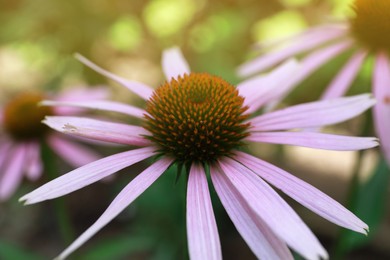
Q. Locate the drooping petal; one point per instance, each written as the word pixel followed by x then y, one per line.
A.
pixel 99 105
pixel 34 165
pixel 73 153
pixel 263 89
pixel 13 171
pixel 174 63
pixel 381 84
pixel 259 237
pixel 202 232
pixel 306 42
pixel 99 130
pixel 273 210
pixel 304 193
pixel 135 188
pixel 339 86
pixel 142 90
pixel 313 114
pixel 87 174
pixel 5 148
pixel 315 140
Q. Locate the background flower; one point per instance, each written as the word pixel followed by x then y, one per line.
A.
pixel 364 35
pixel 22 134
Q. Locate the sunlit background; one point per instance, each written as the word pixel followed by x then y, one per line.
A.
pixel 37 42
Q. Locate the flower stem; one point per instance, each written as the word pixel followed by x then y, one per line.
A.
pixel 60 208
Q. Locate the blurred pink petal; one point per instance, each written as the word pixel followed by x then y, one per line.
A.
pixel 75 154
pixel 138 88
pixel 99 105
pixel 87 175
pixel 174 64
pixel 12 171
pixel 304 42
pixel 259 237
pixel 34 165
pixel 304 193
pixel 83 94
pixel 273 210
pixel 339 86
pixel 78 94
pixel 99 130
pixel 315 140
pixel 313 114
pixel 315 60
pixel 202 232
pixel 135 188
pixel 381 88
pixel 263 89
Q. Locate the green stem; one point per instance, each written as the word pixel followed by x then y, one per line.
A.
pixel 352 195
pixel 60 208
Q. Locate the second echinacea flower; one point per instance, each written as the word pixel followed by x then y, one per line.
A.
pixel 201 121
pixel 367 34
pixel 22 135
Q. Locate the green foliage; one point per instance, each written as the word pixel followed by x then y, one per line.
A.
pixel 368 202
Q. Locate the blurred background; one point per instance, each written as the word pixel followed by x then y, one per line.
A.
pixel 37 42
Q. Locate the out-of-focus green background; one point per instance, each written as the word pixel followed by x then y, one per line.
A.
pixel 37 41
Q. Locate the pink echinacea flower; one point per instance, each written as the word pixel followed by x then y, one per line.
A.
pixel 196 119
pixel 22 134
pixel 367 34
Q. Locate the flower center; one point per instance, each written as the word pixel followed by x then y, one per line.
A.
pixel 371 26
pixel 23 116
pixel 196 118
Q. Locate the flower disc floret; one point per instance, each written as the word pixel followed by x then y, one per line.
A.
pixel 196 118
pixel 371 25
pixel 23 116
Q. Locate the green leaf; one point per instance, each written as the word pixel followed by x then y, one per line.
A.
pixel 119 247
pixel 12 252
pixel 368 203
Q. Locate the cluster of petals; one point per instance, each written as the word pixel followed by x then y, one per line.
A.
pixel 265 221
pixel 23 158
pixel 323 43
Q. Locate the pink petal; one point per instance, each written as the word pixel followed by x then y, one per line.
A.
pixel 5 147
pixel 259 237
pixel 99 130
pixel 304 193
pixel 273 210
pixel 87 175
pixel 312 31
pixel 138 88
pixel 73 153
pixel 381 85
pixel 34 165
pixel 78 94
pixel 313 114
pixel 263 89
pixel 13 172
pixel 174 64
pixel 315 140
pixel 315 60
pixel 83 94
pixel 99 105
pixel 339 86
pixel 202 232
pixel 302 43
pixel 135 188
